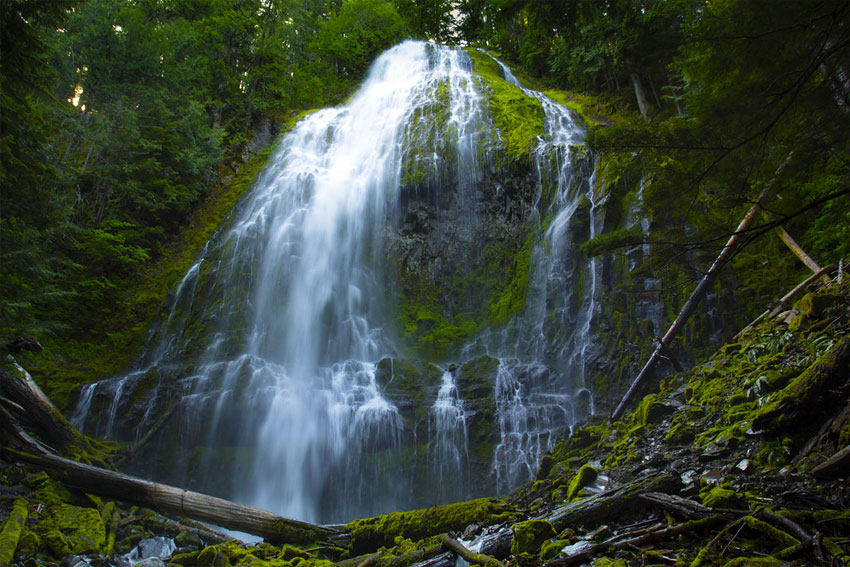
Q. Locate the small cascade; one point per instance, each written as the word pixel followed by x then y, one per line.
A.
pixel 530 415
pixel 448 438
pixel 162 341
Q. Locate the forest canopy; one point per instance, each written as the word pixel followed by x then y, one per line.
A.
pixel 118 118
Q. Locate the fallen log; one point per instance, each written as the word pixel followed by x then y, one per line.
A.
pixel 167 499
pixel 470 556
pixel 678 505
pixel 798 251
pixel 588 552
pixel 836 466
pixel 12 529
pixel 17 385
pixel 496 541
pixel 616 503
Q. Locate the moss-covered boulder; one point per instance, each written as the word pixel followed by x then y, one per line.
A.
pixel 723 497
pixel 370 534
pixel 585 476
pixel 530 535
pixel 790 406
pixel 813 306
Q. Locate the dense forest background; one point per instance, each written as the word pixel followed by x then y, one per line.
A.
pixel 129 127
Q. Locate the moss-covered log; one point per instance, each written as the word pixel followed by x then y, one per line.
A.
pixel 616 503
pixel 12 530
pixel 17 385
pixel 172 500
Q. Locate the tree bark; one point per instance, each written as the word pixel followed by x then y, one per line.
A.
pixel 640 95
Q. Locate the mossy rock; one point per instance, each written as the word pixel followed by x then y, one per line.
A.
pixel 476 378
pixel 236 553
pixel 816 305
pixel 789 406
pixel 519 118
pixel 607 562
pixel 681 433
pixel 370 534
pixel 68 529
pixel 723 497
pixel 530 535
pixel 551 548
pixel 585 476
pixel 651 410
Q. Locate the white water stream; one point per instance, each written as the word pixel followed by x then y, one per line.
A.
pixel 296 314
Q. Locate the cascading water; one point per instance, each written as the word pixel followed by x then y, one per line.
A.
pixel 543 352
pixel 271 344
pixel 448 438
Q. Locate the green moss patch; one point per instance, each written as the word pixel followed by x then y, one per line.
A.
pixel 10 536
pixel 530 535
pixel 585 476
pixel 373 533
pixel 519 118
pixel 70 529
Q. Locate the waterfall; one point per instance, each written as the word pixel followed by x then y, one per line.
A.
pixel 273 343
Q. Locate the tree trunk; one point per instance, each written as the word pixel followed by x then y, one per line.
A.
pixel 687 310
pixel 640 94
pixel 172 500
pixel 17 385
pixel 799 252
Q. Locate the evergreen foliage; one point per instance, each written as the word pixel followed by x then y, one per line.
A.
pixel 118 118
